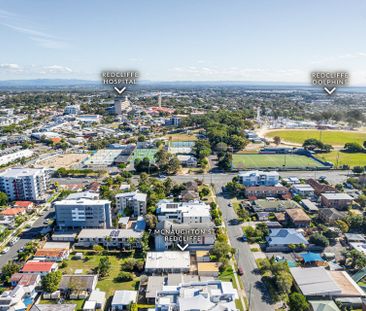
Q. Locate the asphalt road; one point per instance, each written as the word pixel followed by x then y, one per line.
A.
pixel 26 236
pixel 256 292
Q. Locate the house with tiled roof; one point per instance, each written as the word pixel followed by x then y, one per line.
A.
pixel 28 205
pixel 320 188
pixel 280 239
pixel 25 279
pixel 331 215
pixel 52 254
pixel 297 217
pixel 261 192
pixel 41 268
pixel 13 212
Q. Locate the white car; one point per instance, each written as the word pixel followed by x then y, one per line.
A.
pixel 5 250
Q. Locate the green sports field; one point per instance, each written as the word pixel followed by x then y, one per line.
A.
pixel 343 158
pixel 143 153
pixel 273 161
pixel 335 138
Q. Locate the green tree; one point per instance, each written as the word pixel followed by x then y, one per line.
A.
pixel 220 251
pixel 8 270
pixel 298 302
pixel 319 239
pixel 202 148
pixel 125 276
pixel 3 198
pixel 353 147
pixel 51 281
pixel 283 282
pixel 225 162
pixel 104 266
pixel 98 249
pixel 277 140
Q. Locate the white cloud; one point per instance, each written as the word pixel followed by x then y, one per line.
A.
pixel 55 69
pixel 43 39
pixel 336 58
pixel 34 70
pixel 237 74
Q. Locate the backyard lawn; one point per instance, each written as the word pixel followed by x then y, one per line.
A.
pixel 109 284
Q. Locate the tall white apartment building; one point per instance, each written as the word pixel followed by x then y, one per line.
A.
pixel 24 183
pixel 191 212
pixel 83 213
pixel 121 106
pixel 136 201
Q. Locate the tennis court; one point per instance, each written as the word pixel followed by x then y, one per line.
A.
pixel 251 161
pixel 143 153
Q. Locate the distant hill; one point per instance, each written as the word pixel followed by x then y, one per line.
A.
pixel 47 82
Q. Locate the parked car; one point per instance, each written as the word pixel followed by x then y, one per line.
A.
pixel 240 271
pixel 13 241
pixel 5 250
pixel 244 238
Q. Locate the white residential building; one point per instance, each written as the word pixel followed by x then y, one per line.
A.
pixel 24 183
pixel 191 212
pixel 136 201
pixel 259 178
pixel 118 238
pixel 200 295
pixel 8 158
pixel 304 190
pixel 72 109
pixel 167 262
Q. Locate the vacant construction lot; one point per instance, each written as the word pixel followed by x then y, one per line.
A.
pixel 62 160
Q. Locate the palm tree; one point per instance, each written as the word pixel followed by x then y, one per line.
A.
pixel 108 239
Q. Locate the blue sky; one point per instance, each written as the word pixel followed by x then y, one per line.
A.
pixel 279 41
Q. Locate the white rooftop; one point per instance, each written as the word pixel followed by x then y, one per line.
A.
pixel 191 208
pixel 102 233
pixel 337 196
pixel 167 260
pixel 257 173
pixel 82 202
pixel 315 281
pixel 21 172
pixel 124 297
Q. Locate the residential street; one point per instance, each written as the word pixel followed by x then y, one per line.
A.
pixel 256 292
pixel 26 236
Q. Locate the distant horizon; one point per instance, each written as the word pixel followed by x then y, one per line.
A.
pixel 142 82
pixel 242 41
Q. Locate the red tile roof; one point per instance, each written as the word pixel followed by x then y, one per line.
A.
pixel 13 211
pixel 23 203
pixel 50 252
pixel 34 266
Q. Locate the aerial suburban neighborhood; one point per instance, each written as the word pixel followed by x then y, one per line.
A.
pixel 140 172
